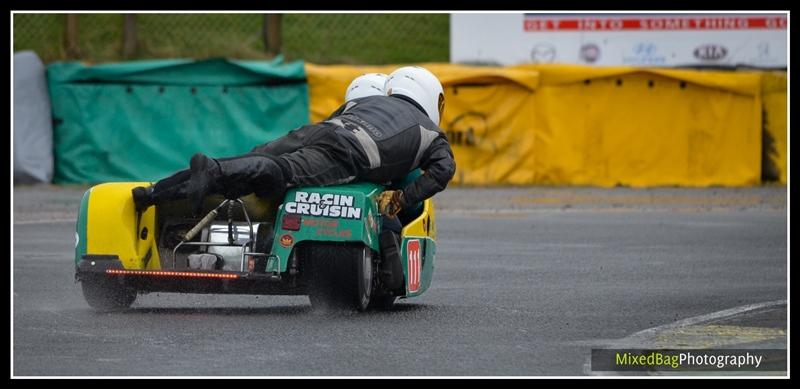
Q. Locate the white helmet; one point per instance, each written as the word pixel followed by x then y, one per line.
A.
pixel 420 85
pixel 370 84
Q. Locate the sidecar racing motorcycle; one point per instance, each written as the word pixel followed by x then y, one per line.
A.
pixel 317 241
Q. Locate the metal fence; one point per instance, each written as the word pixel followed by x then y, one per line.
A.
pixel 367 38
pixel 320 38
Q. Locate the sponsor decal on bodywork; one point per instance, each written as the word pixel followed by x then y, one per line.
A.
pixel 333 233
pixel 286 240
pixel 325 205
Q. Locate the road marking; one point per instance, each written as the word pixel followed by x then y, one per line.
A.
pixel 634 340
pixel 693 333
pixel 50 221
pixel 706 318
pixel 714 336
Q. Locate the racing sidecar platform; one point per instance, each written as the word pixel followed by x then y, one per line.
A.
pixel 323 242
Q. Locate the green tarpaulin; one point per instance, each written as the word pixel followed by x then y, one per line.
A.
pixel 143 120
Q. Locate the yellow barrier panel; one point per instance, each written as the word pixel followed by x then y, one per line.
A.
pixel 578 125
pixel 490 128
pixel 646 127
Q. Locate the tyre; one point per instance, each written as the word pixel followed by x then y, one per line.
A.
pixel 340 276
pixel 104 294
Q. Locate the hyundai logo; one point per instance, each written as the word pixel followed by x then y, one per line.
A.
pixel 644 49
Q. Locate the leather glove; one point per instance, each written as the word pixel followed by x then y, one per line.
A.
pixel 390 203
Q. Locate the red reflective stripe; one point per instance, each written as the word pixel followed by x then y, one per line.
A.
pixel 416 268
pixel 170 273
pixel 414 264
pixel 413 256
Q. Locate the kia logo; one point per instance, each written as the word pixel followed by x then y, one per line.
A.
pixel 710 52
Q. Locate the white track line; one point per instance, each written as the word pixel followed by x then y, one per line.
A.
pixel 706 318
pixel 631 340
pixel 637 337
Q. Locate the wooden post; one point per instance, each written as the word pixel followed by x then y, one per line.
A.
pixel 272 34
pixel 130 40
pixel 71 37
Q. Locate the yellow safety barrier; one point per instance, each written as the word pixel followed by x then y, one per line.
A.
pixel 646 127
pixel 579 125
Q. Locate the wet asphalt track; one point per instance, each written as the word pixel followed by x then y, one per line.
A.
pixel 525 281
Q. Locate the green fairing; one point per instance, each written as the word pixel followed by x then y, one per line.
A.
pixel 143 120
pixel 318 228
pixel 80 227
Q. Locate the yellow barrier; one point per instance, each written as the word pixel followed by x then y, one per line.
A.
pixel 577 125
pixel 646 127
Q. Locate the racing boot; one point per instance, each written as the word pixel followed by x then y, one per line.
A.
pixel 167 189
pixel 390 270
pixel 142 197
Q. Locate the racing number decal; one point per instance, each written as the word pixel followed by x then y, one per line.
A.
pixel 414 265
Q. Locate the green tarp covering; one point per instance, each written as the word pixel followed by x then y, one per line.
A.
pixel 143 120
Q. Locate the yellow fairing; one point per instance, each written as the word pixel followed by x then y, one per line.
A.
pixel 424 225
pixel 112 227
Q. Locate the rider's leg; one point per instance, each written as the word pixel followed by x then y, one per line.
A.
pixel 292 141
pixel 174 187
pixel 177 186
pixel 325 160
pixel 234 177
pixel 391 268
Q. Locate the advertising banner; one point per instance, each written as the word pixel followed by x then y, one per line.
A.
pixel 714 40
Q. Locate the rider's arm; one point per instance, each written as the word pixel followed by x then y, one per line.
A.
pixel 439 166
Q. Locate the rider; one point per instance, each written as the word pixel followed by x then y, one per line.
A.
pixel 374 138
pixel 361 143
